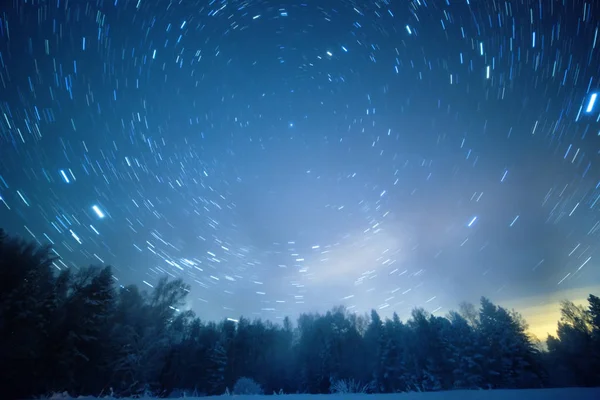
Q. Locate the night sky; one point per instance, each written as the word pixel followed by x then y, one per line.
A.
pixel 289 156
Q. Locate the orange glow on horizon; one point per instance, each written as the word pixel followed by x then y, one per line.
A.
pixel 542 313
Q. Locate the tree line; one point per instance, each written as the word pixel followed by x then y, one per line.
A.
pixel 77 331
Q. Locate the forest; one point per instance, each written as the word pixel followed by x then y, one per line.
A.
pixel 78 331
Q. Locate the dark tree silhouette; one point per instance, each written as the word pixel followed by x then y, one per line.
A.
pixel 574 355
pixel 77 331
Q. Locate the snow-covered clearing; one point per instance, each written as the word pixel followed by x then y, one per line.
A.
pixel 530 394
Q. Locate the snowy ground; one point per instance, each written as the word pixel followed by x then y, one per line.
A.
pixel 537 394
pixel 543 394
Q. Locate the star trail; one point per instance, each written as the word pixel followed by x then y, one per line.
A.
pixel 293 156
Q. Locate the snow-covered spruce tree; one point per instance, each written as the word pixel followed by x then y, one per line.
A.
pixel 465 353
pixel 216 369
pixel 89 307
pixel 393 368
pixel 309 352
pixel 511 360
pixel 427 354
pixel 329 347
pixel 274 367
pixel 142 339
pixel 129 324
pixel 172 375
pixel 375 342
pixel 346 349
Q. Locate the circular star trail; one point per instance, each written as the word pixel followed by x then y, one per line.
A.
pixel 291 158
